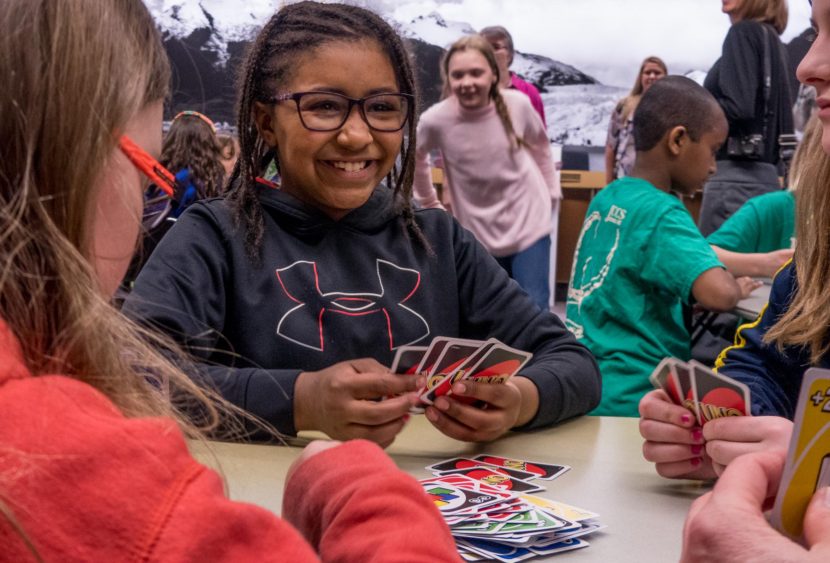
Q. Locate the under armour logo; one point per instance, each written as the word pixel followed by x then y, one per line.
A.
pixel 317 312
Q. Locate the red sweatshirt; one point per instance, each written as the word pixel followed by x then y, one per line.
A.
pixel 87 484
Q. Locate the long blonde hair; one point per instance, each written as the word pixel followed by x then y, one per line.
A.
pixel 628 104
pixel 478 43
pixel 806 323
pixel 76 72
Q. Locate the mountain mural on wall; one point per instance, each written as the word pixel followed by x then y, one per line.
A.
pixel 207 51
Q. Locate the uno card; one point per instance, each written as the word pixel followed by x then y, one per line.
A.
pixel 661 378
pixel 684 382
pixel 432 354
pixel 499 364
pixel 492 476
pixel 407 359
pixel 465 463
pixel 439 386
pixel 808 459
pixel 544 471
pixel 718 395
pixel 560 546
pixel 560 509
pixel 450 498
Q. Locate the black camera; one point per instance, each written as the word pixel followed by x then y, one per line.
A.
pixel 747 147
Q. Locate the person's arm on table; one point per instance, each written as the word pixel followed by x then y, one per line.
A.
pixel 754 264
pixel 718 290
pixel 353 504
pixel 560 382
pixel 728 524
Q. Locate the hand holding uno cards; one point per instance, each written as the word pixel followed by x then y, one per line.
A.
pixel 707 394
pixel 448 360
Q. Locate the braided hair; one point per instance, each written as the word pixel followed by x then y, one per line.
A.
pixel 479 43
pixel 295 30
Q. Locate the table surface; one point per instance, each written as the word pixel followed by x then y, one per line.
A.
pixel 643 512
pixel 750 307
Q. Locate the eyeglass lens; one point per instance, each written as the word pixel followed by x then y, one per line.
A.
pixel 384 112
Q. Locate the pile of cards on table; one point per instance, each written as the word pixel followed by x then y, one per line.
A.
pixel 707 394
pixel 487 504
pixel 447 360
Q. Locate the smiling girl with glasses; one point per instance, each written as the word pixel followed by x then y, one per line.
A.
pixel 296 297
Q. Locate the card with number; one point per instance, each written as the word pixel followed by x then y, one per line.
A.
pixel 808 459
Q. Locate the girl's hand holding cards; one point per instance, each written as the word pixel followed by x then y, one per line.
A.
pixel 728 438
pixel 501 411
pixel 673 440
pixel 342 401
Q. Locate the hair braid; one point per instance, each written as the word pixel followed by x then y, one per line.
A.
pixel 504 115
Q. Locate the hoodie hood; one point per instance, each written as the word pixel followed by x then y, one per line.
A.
pixel 305 220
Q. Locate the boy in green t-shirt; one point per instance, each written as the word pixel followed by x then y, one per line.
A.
pixel 640 256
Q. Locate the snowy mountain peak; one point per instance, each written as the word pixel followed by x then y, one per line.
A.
pixel 435 30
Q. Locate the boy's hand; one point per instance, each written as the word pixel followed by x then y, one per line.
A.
pixel 730 437
pixel 342 401
pixel 747 285
pixel 673 441
pixel 773 261
pixel 507 405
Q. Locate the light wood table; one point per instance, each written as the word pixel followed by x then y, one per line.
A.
pixel 643 512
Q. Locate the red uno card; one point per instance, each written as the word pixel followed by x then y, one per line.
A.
pixel 718 395
pixel 684 382
pixel 441 386
pixel 661 378
pixel 407 359
pixel 491 476
pixel 466 463
pixel 544 471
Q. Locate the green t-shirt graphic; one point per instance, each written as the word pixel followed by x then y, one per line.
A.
pixel 762 224
pixel 638 254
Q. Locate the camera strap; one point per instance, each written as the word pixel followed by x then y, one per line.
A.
pixel 767 79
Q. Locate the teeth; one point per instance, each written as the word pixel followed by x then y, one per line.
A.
pixel 350 166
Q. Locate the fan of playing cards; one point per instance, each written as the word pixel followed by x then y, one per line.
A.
pixel 486 503
pixel 447 360
pixel 707 394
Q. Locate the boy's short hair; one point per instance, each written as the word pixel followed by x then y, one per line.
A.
pixel 673 101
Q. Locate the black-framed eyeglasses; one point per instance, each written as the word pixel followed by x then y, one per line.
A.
pixel 328 111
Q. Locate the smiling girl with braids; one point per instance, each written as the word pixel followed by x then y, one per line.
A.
pixel 298 295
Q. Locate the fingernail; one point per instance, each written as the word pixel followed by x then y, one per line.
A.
pixel 685 419
pixel 826 499
pixel 431 415
pixel 442 404
pixel 697 435
pixel 697 449
pixel 695 462
pixel 459 388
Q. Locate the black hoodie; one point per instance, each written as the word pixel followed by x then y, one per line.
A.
pixel 328 291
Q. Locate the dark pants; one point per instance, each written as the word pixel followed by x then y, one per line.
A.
pixel 531 270
pixel 735 182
